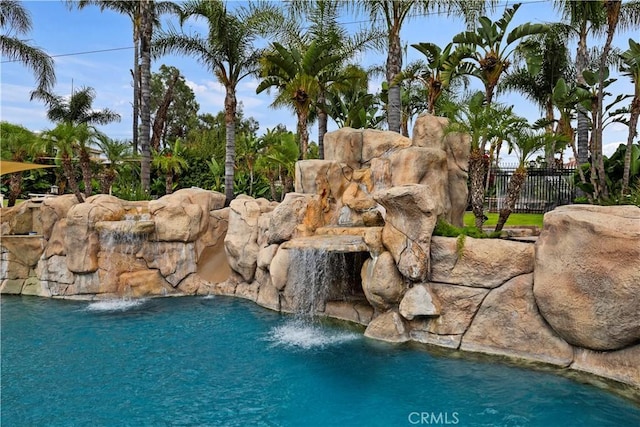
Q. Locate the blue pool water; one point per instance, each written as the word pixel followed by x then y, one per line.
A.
pixel 227 362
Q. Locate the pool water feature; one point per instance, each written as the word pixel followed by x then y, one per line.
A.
pixel 218 361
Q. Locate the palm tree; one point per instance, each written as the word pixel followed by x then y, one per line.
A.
pixel 436 74
pixel 278 159
pixel 144 137
pixel 115 151
pixel 584 17
pixel 295 74
pixel 525 142
pixel 485 53
pixel 66 138
pixel 170 161
pixel 630 67
pixel 482 121
pixel 15 19
pixel 394 14
pixel 351 105
pixel 228 51
pixel 132 9
pixel 78 112
pixel 78 109
pixel 321 25
pixel 556 64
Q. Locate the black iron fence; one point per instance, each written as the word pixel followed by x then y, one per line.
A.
pixel 543 190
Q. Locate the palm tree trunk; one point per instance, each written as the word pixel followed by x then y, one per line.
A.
pixel 322 125
pixel 550 151
pixel 145 91
pixel 303 133
pixel 583 121
pixel 513 193
pixel 394 66
pixel 230 108
pixel 633 124
pixel 69 172
pixel 136 90
pixel 613 14
pixel 168 182
pixel 477 170
pixel 15 188
pixel 85 167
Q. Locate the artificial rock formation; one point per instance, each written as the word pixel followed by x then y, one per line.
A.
pixel 360 222
pixel 587 277
pixel 107 247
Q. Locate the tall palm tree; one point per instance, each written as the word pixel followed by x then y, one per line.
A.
pixel 321 24
pixel 486 52
pixel 556 64
pixel 393 14
pixel 132 9
pixel 584 17
pixel 295 73
pixel 630 66
pixel 15 22
pixel 144 137
pixel 77 109
pixel 228 51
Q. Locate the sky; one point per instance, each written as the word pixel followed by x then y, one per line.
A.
pixel 95 49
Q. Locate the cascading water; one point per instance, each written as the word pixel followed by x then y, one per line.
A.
pixel 317 276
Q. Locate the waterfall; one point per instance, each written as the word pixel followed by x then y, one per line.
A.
pixel 317 276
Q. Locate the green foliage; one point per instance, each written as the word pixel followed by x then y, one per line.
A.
pixel 614 168
pixel 443 228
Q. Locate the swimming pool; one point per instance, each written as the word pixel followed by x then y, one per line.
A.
pixel 219 361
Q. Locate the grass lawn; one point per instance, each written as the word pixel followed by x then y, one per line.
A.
pixel 514 220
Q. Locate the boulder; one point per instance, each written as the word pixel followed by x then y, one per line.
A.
pixel 11 286
pixel 586 278
pixel 621 365
pixel 411 215
pixel 486 263
pixel 144 283
pixel 428 131
pixel 418 301
pixel 177 221
pixel 382 283
pixel 508 324
pixel 387 327
pixel 54 269
pixel 378 143
pixel 269 297
pixel 458 305
pixel 81 240
pixel 25 248
pixel 12 267
pixel 344 146
pixel 279 268
pixel 241 241
pixel 53 210
pixel 297 215
pixel 175 260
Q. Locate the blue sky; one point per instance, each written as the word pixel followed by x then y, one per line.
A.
pixel 61 31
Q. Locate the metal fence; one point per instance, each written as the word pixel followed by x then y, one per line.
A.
pixel 543 190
